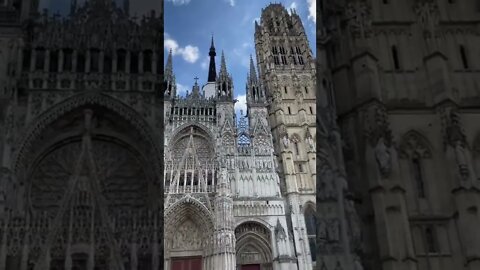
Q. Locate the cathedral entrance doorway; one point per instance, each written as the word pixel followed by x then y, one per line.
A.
pixel 187 263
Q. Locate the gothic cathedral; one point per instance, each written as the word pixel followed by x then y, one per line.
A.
pixel 240 190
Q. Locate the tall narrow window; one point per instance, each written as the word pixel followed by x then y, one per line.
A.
pixel 300 60
pixel 297 150
pixel 311 110
pixel 311 224
pixel 285 89
pixel 396 62
pixel 463 55
pixel 306 90
pixel 418 176
pixel 431 241
pixel 300 168
pixel 289 110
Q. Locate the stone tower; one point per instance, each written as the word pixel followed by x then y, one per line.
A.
pixel 321 218
pixel 406 80
pixel 287 76
pixel 80 138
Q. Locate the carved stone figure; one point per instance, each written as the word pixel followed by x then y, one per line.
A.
pixel 286 141
pixel 383 158
pixel 462 162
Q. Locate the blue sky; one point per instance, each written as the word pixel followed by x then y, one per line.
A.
pixel 189 25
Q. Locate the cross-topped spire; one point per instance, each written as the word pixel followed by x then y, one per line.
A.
pixel 196 80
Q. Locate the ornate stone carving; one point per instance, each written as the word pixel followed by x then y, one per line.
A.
pixel 428 16
pixel 358 15
pixel 383 157
pixel 414 145
pixel 187 237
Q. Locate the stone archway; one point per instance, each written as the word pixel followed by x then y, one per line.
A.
pixel 188 234
pixel 253 247
pixel 88 172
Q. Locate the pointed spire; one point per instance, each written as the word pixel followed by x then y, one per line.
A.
pixel 212 71
pixel 170 85
pixel 253 73
pixel 169 67
pixel 223 66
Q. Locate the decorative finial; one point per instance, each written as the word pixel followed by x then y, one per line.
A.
pixel 196 79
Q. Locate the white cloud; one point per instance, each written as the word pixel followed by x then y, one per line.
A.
pixel 241 104
pixel 231 2
pixel 179 2
pixel 189 53
pixel 312 10
pixel 256 20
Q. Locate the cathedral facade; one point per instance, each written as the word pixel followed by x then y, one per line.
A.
pixel 227 205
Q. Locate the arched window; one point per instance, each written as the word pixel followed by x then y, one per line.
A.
pixel 463 55
pixel 297 150
pixel 396 61
pixel 430 239
pixel 311 224
pixel 418 176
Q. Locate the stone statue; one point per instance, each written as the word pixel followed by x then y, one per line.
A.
pixel 310 143
pixel 383 157
pixel 286 141
pixel 461 159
